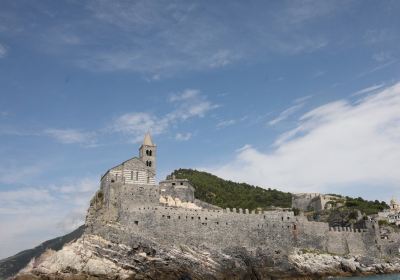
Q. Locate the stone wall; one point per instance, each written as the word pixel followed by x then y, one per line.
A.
pixel 137 209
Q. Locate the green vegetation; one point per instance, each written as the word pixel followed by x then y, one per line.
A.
pixel 383 223
pixel 228 194
pixel 365 206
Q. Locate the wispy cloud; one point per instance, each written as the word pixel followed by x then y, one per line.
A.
pixel 3 50
pixel 368 89
pixel 286 114
pixel 334 146
pixel 377 68
pixel 183 136
pixel 382 56
pixel 30 215
pixel 187 104
pixel 226 123
pixel 72 136
pixel 157 39
pixel 12 173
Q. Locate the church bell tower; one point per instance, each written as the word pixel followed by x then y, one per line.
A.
pixel 147 153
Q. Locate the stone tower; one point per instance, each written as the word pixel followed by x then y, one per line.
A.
pixel 147 153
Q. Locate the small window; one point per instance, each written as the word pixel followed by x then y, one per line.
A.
pixel 137 175
pixel 181 183
pixel 173 184
pixel 148 180
pixel 136 222
pixel 131 175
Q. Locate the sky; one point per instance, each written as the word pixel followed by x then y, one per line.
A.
pixel 301 96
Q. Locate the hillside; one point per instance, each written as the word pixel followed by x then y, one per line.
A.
pixel 228 194
pixel 12 265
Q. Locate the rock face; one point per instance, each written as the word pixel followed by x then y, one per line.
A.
pixel 10 266
pixel 93 257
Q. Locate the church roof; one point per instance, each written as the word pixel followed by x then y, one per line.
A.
pixel 147 140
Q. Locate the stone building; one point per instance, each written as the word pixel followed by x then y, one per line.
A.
pixel 314 201
pixel 391 215
pixel 129 203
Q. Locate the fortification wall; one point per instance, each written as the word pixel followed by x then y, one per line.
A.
pixel 137 209
pixel 278 231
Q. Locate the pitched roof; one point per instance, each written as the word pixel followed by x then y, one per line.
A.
pixel 147 140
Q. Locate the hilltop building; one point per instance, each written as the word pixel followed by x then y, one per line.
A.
pixel 130 203
pixel 391 215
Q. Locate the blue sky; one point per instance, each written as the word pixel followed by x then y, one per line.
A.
pixel 303 96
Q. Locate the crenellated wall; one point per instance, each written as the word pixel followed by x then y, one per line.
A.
pixel 137 209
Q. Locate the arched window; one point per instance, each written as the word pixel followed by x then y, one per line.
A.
pixel 149 163
pixel 148 179
pixel 137 175
pixel 150 152
pixel 147 152
pixel 131 175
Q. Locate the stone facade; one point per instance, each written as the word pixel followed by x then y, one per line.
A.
pixel 314 201
pixel 391 215
pixel 124 207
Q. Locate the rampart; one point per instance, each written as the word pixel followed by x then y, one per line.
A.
pixel 137 209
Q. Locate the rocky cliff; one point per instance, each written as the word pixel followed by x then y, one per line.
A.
pixel 93 257
pixel 129 235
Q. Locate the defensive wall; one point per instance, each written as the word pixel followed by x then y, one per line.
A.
pixel 137 210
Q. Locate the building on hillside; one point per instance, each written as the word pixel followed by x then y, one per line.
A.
pixel 315 201
pixel 391 215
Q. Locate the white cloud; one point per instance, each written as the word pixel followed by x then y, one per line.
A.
pixel 185 95
pixel 10 173
pixel 382 56
pixel 369 89
pixel 71 136
pixel 221 59
pixel 225 123
pixel 3 50
pixel 159 40
pixel 31 215
pixel 187 104
pixel 343 147
pixel 183 136
pixel 377 68
pixel 286 114
pixel 138 123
